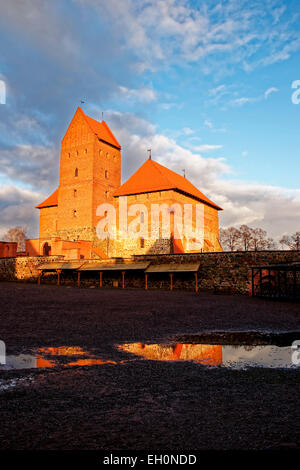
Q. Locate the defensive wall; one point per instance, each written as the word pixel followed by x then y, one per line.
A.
pixel 219 272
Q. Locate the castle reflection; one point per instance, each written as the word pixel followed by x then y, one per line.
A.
pixel 201 353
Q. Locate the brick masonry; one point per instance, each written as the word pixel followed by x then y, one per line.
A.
pixel 221 271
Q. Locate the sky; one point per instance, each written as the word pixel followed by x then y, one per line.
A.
pixel 210 86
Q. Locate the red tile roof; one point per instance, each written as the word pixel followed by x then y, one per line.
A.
pixel 152 176
pixel 50 201
pixel 101 129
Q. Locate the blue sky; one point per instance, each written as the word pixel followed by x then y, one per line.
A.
pixel 206 84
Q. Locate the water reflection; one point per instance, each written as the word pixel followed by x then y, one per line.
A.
pixel 202 353
pixel 60 357
pixel 235 357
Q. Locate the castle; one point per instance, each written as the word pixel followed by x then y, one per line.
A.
pixel 90 196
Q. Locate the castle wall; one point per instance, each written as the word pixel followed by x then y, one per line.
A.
pixel 48 221
pixel 218 271
pixel 8 249
pixel 154 241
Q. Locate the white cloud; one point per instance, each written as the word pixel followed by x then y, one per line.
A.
pixel 269 91
pixel 143 94
pixel 172 31
pixel 17 209
pixel 30 164
pixel 188 131
pixel 206 148
pixel 242 101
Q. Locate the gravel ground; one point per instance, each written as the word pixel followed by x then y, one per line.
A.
pixel 141 404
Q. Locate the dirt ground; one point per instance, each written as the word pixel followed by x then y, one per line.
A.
pixel 141 404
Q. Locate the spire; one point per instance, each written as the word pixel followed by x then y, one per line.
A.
pixel 149 151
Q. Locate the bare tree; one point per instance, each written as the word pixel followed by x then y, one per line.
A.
pixel 260 240
pixel 246 237
pixel 292 241
pixel 229 238
pixel 18 235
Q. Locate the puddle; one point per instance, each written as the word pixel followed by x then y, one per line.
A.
pixel 229 356
pixel 58 357
pixel 233 356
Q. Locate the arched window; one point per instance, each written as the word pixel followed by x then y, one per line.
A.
pixel 100 151
pixel 142 242
pixel 106 174
pixel 107 155
pixel 106 194
pixel 76 171
pixel 142 217
pixel 77 153
pixel 75 192
pixel 74 213
pixel 47 249
pixel 69 155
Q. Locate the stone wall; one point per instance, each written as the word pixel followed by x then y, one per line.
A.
pixel 220 272
pixel 225 271
pixel 23 267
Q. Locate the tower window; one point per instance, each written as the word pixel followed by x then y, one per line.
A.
pixel 142 242
pixel 100 152
pixel 77 153
pixel 106 174
pixel 74 213
pixel 142 217
pixel 85 150
pixel 107 155
pixel 75 192
pixel 106 194
pixel 76 171
pixel 69 155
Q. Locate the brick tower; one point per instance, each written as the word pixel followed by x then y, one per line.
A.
pixel 90 172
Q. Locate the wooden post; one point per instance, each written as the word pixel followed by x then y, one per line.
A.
pixel 39 278
pixel 252 283
pixel 100 281
pixel 123 279
pixel 171 281
pixel 196 282
pixel 78 279
pixel 146 281
pixel 58 276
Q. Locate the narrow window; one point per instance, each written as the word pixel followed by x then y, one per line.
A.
pixel 74 213
pixel 77 153
pixel 69 155
pixel 100 152
pixel 106 174
pixel 142 217
pixel 106 194
pixel 107 155
pixel 142 242
pixel 85 150
pixel 76 171
pixel 75 192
